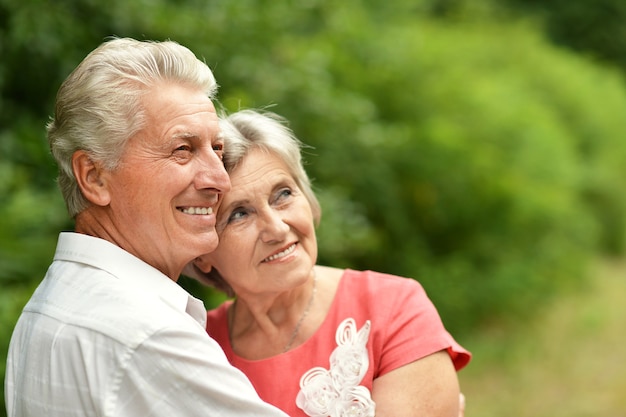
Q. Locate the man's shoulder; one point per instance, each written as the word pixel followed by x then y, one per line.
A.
pixel 87 300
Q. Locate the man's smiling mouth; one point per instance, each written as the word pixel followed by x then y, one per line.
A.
pixel 197 210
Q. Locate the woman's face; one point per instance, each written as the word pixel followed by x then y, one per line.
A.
pixel 266 230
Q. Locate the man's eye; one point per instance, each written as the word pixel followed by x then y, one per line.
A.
pixel 219 150
pixel 183 148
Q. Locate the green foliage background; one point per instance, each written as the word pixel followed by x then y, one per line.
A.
pixel 477 146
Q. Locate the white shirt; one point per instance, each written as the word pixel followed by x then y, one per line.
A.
pixel 106 334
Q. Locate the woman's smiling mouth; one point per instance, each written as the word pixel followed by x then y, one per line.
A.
pixel 281 254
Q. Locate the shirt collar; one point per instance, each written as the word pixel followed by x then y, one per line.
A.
pixel 104 255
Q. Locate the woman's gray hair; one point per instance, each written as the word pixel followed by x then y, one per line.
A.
pixel 244 131
pixel 251 129
pixel 98 107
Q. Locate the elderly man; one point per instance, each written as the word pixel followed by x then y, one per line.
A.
pixel 109 332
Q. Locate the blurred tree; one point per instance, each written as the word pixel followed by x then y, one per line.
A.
pixel 473 166
pixel 594 28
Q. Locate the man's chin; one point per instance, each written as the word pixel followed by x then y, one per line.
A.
pixel 208 242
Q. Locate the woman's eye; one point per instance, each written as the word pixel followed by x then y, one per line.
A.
pixel 237 215
pixel 284 194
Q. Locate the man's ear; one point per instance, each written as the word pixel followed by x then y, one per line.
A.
pixel 91 178
pixel 202 263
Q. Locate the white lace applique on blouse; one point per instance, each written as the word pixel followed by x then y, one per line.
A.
pixel 336 392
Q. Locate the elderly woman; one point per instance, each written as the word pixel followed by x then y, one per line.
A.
pixel 315 340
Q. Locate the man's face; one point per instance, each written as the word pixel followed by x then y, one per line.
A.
pixel 165 192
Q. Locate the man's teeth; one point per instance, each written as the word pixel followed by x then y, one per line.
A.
pixel 281 254
pixel 198 210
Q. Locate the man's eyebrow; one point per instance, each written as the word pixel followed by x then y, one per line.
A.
pixel 174 139
pixel 184 135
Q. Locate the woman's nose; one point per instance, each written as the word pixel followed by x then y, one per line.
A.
pixel 273 228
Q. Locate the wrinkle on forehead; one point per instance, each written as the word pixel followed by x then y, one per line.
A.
pixel 258 173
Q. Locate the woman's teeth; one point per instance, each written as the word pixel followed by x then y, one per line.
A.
pixel 281 254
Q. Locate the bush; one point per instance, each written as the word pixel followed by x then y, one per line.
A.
pixel 488 170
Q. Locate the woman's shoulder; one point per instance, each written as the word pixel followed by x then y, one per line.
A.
pixel 371 292
pixel 373 281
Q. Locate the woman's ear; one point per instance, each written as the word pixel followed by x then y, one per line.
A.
pixel 203 264
pixel 91 178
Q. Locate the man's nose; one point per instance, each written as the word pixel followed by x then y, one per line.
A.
pixel 212 174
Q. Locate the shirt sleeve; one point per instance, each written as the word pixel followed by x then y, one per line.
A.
pixel 414 329
pixel 178 372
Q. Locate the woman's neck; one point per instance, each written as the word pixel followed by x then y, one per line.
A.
pixel 259 329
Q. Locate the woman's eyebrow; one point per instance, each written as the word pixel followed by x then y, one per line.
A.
pixel 235 203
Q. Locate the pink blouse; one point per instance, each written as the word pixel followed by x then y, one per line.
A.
pixel 376 323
